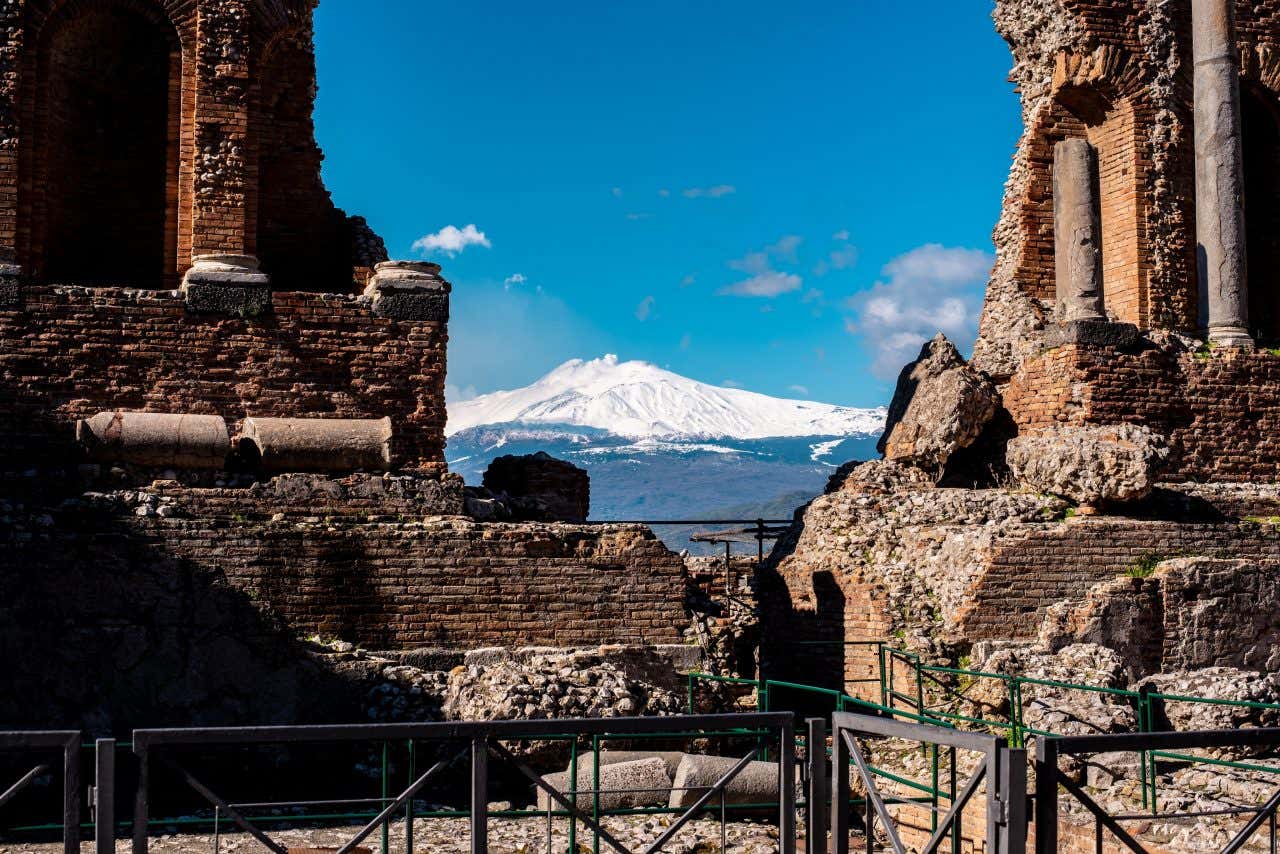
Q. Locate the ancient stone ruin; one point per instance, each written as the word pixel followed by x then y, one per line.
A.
pixel 223 406
pixel 1092 497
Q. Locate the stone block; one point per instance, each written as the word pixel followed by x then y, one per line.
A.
pixel 540 488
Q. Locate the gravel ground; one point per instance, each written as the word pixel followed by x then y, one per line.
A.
pixel 450 836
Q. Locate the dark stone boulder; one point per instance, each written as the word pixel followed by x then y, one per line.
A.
pixel 540 488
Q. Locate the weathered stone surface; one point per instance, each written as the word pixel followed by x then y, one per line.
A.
pixel 156 439
pixel 941 405
pixel 540 488
pixel 1220 191
pixel 1077 230
pixel 1218 683
pixel 554 684
pixel 641 782
pixel 757 783
pixel 409 290
pixel 1089 464
pixel 1059 710
pixel 318 444
pixel 1189 614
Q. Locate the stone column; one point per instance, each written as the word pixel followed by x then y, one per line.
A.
pixel 1077 229
pixel 1220 227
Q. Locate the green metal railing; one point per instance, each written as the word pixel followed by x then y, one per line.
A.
pixel 923 693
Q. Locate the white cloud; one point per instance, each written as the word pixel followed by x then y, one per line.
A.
pixel 812 295
pixel 763 280
pixel 841 235
pixel 767 284
pixel 458 394
pixel 451 240
pixel 843 258
pixel 645 308
pixel 798 389
pixel 664 192
pixel 731 384
pixel 688 280
pixel 928 290
pixel 617 192
pixel 714 192
pixel 514 279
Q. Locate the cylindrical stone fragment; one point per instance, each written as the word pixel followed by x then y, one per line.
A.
pixel 757 783
pixel 1077 226
pixel 1220 224
pixel 156 439
pixel 623 785
pixel 318 444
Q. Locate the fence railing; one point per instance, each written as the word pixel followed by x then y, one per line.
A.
pixel 1050 779
pixel 482 742
pixel 63 744
pixel 912 690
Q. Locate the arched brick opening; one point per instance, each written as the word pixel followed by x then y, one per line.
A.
pixel 1111 127
pixel 105 166
pixel 1261 120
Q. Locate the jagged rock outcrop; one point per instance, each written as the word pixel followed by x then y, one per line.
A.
pixel 1088 464
pixel 1218 683
pixel 941 405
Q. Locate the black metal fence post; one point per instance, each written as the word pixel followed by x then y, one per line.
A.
pixel 104 796
pixel 1046 796
pixel 71 795
pixel 839 794
pixel 787 787
pixel 480 795
pixel 816 796
pixel 140 800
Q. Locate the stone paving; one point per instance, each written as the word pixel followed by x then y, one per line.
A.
pixel 452 836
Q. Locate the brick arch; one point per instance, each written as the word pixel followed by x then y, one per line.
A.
pixel 1098 96
pixel 173 21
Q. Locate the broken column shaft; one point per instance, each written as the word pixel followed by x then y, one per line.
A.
pixel 1220 226
pixel 1077 226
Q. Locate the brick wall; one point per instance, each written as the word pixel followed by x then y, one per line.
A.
pixel 1030 571
pixel 1220 409
pixel 73 352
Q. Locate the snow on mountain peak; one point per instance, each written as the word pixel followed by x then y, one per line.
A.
pixel 640 400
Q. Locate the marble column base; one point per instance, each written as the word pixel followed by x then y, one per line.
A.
pixel 227 284
pixel 409 291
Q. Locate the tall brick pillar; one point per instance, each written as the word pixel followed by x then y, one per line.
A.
pixel 223 248
pixel 11 34
pixel 1220 225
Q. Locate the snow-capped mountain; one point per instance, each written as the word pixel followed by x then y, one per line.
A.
pixel 642 401
pixel 662 446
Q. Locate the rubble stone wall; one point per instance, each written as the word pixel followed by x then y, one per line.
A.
pixel 1220 409
pixel 73 352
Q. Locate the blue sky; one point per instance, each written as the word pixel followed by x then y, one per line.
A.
pixel 785 198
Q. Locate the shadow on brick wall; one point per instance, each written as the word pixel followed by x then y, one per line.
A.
pixel 101 629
